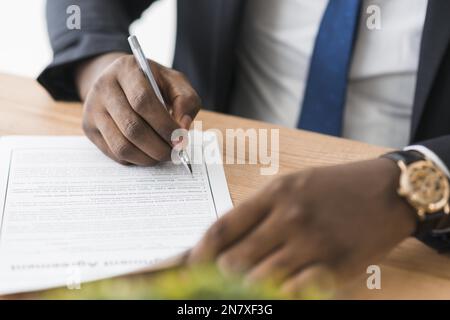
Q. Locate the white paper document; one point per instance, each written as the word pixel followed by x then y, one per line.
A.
pixel 70 214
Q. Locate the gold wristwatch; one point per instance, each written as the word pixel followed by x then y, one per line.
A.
pixel 423 184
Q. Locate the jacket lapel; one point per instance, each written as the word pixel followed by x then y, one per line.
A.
pixel 435 41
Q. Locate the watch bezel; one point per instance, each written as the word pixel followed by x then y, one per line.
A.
pixel 405 188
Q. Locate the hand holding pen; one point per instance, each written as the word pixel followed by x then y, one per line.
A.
pixel 123 115
pixel 145 67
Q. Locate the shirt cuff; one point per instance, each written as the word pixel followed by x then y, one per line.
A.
pixel 430 155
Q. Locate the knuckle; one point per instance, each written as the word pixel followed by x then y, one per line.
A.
pixel 88 123
pixel 132 129
pixel 180 74
pixel 122 150
pixel 177 74
pixel 289 186
pixel 101 120
pixel 102 83
pixel 295 216
pixel 282 262
pixel 193 100
pixel 225 261
pixel 217 232
pixel 303 179
pixel 88 107
pixel 86 126
pixel 278 186
pixel 124 61
pixel 139 100
pixel 123 67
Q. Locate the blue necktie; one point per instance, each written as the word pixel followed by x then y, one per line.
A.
pixel 326 89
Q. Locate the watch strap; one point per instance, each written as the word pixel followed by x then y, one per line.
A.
pixel 407 157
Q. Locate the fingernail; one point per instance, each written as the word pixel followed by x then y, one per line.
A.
pixel 186 121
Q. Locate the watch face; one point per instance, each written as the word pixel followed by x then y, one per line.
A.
pixel 425 186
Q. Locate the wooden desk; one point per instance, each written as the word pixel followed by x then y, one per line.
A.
pixel 411 271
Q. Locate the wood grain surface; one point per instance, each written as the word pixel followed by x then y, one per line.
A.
pixel 411 271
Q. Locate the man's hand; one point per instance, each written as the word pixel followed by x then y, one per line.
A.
pixel 333 221
pixel 122 114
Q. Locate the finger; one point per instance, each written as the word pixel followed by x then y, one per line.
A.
pixel 133 127
pixel 184 100
pixel 249 250
pixel 91 131
pixel 98 140
pixel 231 228
pixel 119 146
pixel 314 282
pixel 283 263
pixel 144 102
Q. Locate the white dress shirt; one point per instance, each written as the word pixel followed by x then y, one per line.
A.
pixel 274 52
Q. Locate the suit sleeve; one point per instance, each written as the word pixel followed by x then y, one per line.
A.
pixel 104 28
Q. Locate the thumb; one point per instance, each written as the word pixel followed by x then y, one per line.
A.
pixel 185 109
pixel 184 100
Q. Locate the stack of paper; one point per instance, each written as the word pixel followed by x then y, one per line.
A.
pixel 69 214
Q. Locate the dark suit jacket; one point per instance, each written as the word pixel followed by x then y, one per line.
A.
pixel 205 51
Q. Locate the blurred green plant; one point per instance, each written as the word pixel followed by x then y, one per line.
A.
pixel 199 283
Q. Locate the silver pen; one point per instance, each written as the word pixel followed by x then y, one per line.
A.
pixel 145 67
